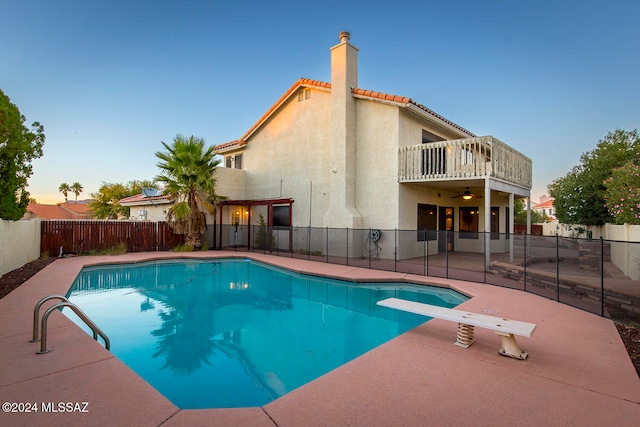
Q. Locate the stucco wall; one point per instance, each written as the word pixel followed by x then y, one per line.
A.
pixel 19 243
pixel 230 183
pixel 376 168
pixel 625 256
pixel 153 213
pixel 283 161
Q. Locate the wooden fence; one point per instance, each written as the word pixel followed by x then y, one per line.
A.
pixel 536 229
pixel 84 236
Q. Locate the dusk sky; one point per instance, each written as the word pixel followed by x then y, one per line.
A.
pixel 110 80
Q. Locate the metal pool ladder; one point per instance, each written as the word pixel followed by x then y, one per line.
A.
pixel 64 303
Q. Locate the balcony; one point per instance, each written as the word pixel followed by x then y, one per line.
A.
pixel 470 158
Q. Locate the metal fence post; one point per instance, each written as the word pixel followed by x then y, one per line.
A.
pixel 395 249
pixel 524 257
pixel 347 245
pixel 557 268
pixel 487 258
pixel 327 246
pixel 425 251
pixel 369 250
pixel 446 254
pixel 602 276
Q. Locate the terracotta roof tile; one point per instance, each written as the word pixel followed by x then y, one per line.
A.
pixel 303 82
pixel 141 199
pixel 547 204
pixel 79 208
pixel 223 147
pixel 60 211
pixel 433 113
pixel 404 100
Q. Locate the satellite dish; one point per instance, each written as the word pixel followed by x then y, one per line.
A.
pixel 149 191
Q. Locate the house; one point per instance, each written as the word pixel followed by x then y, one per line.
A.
pixel 150 205
pixel 334 155
pixel 66 210
pixel 545 207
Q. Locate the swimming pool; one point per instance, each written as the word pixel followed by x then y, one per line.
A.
pixel 237 333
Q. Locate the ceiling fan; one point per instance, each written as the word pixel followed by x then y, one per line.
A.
pixel 467 195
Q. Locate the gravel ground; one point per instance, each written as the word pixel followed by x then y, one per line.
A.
pixel 630 335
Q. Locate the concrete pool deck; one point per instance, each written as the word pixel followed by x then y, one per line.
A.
pixel 578 371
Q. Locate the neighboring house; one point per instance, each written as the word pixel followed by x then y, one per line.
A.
pixel 335 155
pixel 65 210
pixel 546 207
pixel 150 205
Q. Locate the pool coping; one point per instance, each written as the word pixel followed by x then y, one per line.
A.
pixel 578 371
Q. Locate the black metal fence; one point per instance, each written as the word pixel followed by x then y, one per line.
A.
pixel 599 276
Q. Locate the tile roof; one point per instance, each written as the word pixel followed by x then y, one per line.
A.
pixel 304 82
pixel 60 211
pixel 544 205
pixel 141 199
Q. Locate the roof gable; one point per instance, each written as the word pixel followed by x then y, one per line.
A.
pixel 400 101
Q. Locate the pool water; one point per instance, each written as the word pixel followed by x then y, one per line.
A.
pixel 238 333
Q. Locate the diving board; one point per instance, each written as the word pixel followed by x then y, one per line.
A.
pixel 505 328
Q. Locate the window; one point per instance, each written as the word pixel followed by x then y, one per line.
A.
pixel 281 216
pixel 495 223
pixel 427 222
pixel 228 161
pixel 304 94
pixel 468 224
pixel 238 161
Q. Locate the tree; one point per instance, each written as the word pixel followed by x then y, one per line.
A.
pixel 580 195
pixel 622 194
pixel 65 189
pixel 105 204
pixel 18 147
pixel 262 238
pixel 520 214
pixel 76 187
pixel 186 170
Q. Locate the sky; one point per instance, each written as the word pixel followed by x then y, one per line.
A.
pixel 111 80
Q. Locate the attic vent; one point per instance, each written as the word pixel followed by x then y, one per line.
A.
pixel 304 94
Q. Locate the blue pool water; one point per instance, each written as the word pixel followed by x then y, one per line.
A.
pixel 237 333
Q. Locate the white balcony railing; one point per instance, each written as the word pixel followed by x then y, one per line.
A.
pixel 470 158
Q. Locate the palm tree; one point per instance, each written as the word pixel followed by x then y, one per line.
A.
pixel 64 189
pixel 76 187
pixel 186 170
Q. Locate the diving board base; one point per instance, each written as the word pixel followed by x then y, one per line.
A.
pixel 510 347
pixel 505 328
pixel 465 335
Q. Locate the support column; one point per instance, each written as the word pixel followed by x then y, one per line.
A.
pixel 511 226
pixel 529 214
pixel 487 224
